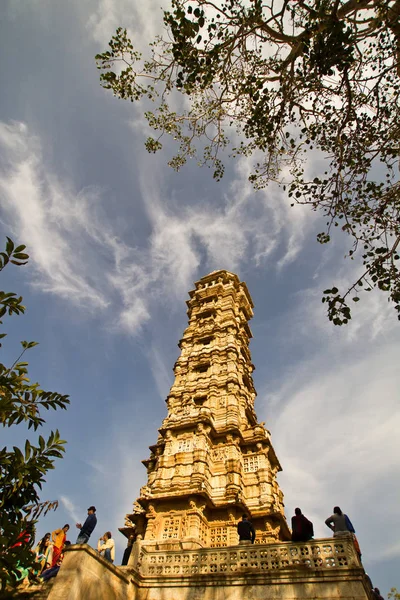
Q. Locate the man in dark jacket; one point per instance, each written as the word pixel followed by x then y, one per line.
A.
pixel 246 531
pixel 88 526
pixel 302 528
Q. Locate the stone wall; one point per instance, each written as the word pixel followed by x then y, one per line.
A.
pixel 84 575
pixel 325 569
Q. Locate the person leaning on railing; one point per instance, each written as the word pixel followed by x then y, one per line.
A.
pixel 339 523
pixel 342 526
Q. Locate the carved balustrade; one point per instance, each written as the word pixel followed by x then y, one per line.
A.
pixel 324 554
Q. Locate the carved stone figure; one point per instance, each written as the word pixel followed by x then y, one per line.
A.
pixel 137 508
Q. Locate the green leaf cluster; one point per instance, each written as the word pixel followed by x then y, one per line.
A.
pixel 22 471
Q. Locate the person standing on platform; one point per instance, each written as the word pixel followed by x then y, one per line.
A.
pixel 246 531
pixel 339 523
pixel 342 526
pixel 59 537
pixel 302 528
pixel 87 528
pixel 128 550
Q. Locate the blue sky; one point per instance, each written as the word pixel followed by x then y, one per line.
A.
pixel 117 239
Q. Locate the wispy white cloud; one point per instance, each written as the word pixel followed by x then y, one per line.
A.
pixel 227 235
pixel 74 249
pixel 71 509
pixel 282 225
pixel 241 226
pixel 38 209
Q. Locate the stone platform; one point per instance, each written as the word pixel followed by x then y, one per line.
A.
pixel 326 569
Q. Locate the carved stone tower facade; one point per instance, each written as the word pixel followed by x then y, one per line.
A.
pixel 212 460
pixel 211 463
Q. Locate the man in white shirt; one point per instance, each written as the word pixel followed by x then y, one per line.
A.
pixel 106 547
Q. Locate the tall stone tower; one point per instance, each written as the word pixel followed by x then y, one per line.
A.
pixel 212 460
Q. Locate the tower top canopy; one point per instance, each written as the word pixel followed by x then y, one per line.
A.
pixel 224 277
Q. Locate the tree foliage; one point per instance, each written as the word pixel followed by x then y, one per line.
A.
pixel 394 594
pixel 308 88
pixel 22 470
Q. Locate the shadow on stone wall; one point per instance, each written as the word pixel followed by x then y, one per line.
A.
pixel 85 575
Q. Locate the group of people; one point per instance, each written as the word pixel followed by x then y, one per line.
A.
pixel 302 528
pixel 48 555
pixel 49 552
pixel 338 522
pixel 303 531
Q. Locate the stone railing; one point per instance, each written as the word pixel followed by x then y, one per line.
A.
pixel 324 554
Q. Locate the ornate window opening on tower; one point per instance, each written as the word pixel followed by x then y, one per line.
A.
pixel 206 314
pixel 200 400
pixel 251 463
pixel 250 415
pixel 203 531
pixel 184 445
pixel 171 528
pixel 202 368
pixel 208 300
pixel 206 341
pixel 218 537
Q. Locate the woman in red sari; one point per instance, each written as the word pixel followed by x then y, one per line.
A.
pixel 59 537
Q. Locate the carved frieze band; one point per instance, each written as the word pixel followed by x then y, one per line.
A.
pixel 313 555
